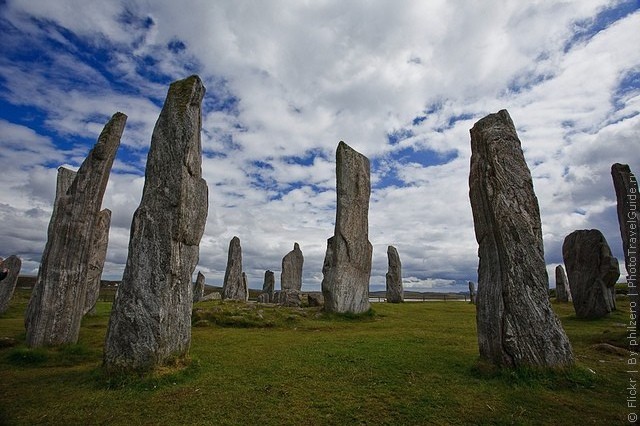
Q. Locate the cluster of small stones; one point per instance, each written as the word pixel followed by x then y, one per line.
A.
pixel 592 271
pixel 150 321
pixel 8 283
pixel 516 324
pixel 59 298
pixel 395 292
pixel 347 263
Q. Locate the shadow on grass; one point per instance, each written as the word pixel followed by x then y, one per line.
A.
pixel 174 373
pixel 61 356
pixel 574 378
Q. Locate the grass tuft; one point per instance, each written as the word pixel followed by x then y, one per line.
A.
pixel 25 357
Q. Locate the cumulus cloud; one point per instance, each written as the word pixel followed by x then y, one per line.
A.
pixel 287 80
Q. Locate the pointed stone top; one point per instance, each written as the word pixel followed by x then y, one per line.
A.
pixel 200 274
pixel 296 246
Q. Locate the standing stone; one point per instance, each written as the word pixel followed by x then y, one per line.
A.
pixel 515 321
pixel 234 286
pixel 472 292
pixel 58 299
pixel 97 259
pixel 267 287
pixel 8 283
pixel 395 292
pixel 150 322
pixel 198 288
pixel 563 294
pixel 627 197
pixel 291 276
pixel 592 271
pixel 347 263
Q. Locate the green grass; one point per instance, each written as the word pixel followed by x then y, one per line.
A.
pixel 411 363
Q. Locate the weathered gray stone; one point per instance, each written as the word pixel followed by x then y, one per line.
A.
pixel 215 295
pixel 592 271
pixel 150 322
pixel 234 287
pixel 347 264
pixel 395 292
pixel 58 299
pixel 198 288
pixel 97 259
pixel 315 299
pixel 625 184
pixel 8 284
pixel 472 292
pixel 291 276
pixel 268 287
pixel 516 324
pixel 563 293
pixel 288 297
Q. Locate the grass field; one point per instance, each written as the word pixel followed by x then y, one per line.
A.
pixel 412 363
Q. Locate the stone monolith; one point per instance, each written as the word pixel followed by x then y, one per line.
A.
pixel 58 299
pixel 291 276
pixel 97 259
pixel 563 293
pixel 592 271
pixel 198 288
pixel 472 292
pixel 8 283
pixel 234 286
pixel 150 322
pixel 395 292
pixel 516 324
pixel 625 184
pixel 347 263
pixel 268 287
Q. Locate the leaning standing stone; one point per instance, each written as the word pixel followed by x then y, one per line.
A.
pixel 395 292
pixel 516 324
pixel 291 276
pixel 198 288
pixel 347 264
pixel 8 283
pixel 592 271
pixel 563 294
pixel 150 322
pixel 234 286
pixel 58 299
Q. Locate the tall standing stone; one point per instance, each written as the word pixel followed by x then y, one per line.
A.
pixel 8 283
pixel 234 286
pixel 563 293
pixel 150 322
pixel 347 264
pixel 268 287
pixel 97 259
pixel 628 199
pixel 592 271
pixel 515 321
pixel 395 292
pixel 472 293
pixel 58 299
pixel 198 288
pixel 291 276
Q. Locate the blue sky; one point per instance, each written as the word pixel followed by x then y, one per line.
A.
pixel 401 82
